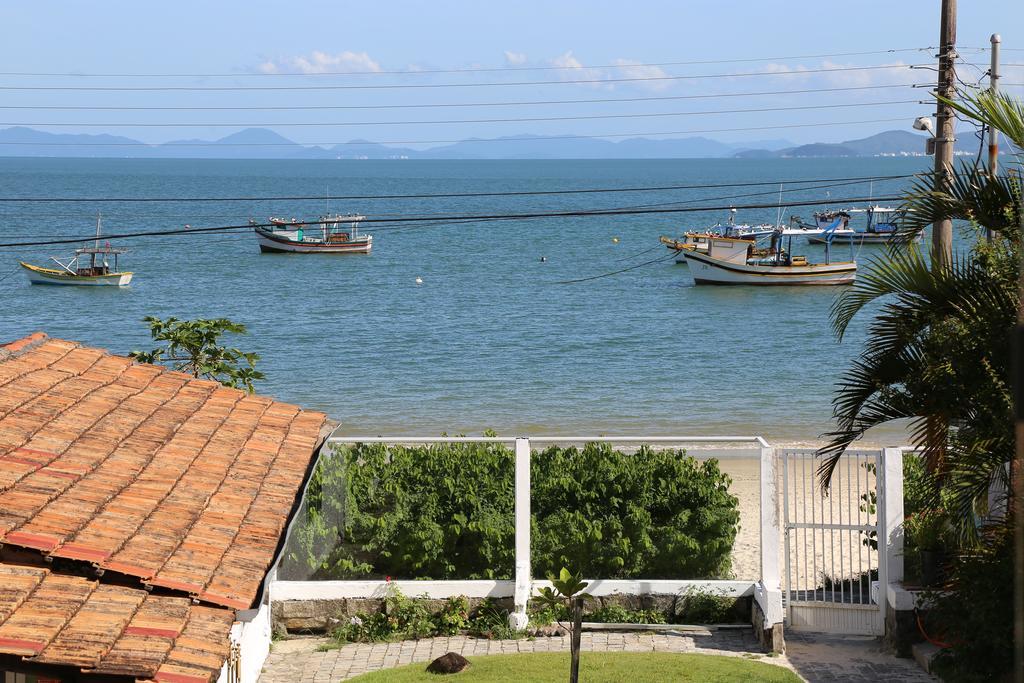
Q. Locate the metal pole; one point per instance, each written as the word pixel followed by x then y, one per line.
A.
pixel 993 88
pixel 942 229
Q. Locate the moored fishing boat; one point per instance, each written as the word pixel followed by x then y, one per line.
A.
pixel 733 262
pixel 697 240
pixel 74 271
pixel 882 226
pixel 331 234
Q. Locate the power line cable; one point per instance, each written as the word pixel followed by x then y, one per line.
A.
pixel 429 105
pixel 394 229
pixel 402 86
pixel 418 72
pixel 524 119
pixel 451 195
pixel 531 138
pixel 416 219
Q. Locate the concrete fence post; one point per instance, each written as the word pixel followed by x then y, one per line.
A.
pixel 768 592
pixel 518 619
pixel 890 514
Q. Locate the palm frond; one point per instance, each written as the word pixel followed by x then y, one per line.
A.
pixel 974 195
pixel 1001 111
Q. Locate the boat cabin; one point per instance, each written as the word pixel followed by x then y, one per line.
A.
pixel 76 266
pixel 883 220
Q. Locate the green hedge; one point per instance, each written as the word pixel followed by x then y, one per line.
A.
pixel 446 512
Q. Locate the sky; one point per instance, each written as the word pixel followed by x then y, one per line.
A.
pixel 291 44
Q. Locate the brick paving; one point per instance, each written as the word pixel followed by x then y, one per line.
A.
pixel 817 658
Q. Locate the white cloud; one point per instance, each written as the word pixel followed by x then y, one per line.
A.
pixel 628 68
pixel 514 58
pixel 839 75
pixel 321 62
pixel 572 69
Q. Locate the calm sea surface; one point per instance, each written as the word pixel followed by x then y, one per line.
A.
pixel 488 340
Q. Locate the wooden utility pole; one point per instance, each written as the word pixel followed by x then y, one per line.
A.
pixel 942 229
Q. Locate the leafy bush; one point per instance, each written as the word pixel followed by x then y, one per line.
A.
pixel 437 512
pixel 453 617
pixel 975 612
pixel 616 614
pixel 404 618
pixel 446 511
pixel 703 607
pixel 491 621
pixel 654 514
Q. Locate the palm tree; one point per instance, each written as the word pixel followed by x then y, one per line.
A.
pixel 939 345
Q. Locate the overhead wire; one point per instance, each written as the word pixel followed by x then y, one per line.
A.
pixel 518 119
pixel 429 105
pixel 401 86
pixel 473 217
pixel 364 143
pixel 450 195
pixel 417 72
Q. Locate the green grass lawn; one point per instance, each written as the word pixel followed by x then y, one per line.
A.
pixel 595 667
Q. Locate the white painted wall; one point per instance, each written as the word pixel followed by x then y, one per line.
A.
pixel 253 638
pixel 334 590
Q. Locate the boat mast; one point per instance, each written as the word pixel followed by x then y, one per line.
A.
pixel 96 245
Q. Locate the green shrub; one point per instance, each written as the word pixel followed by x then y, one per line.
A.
pixel 975 612
pixel 453 617
pixel 653 514
pixel 402 618
pixel 703 607
pixel 490 620
pixel 616 614
pixel 447 511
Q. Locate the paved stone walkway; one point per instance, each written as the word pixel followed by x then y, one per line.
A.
pixel 815 659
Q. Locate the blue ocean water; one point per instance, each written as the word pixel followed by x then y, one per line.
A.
pixel 488 340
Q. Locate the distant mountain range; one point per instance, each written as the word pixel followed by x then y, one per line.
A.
pixel 261 143
pixel 888 143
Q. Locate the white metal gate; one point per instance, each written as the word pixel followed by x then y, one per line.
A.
pixel 831 555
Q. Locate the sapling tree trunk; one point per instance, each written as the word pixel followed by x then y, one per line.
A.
pixel 577 632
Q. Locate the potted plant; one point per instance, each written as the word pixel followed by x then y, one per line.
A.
pixel 927 531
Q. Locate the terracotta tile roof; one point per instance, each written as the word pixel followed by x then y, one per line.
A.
pixel 182 483
pixel 58 619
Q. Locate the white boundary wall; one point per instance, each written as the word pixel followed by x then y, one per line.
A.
pixel 334 590
pixel 250 644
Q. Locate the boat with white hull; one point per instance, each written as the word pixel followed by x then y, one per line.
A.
pixel 38 275
pixel 326 236
pixel 731 262
pixel 75 271
pixel 697 240
pixel 882 226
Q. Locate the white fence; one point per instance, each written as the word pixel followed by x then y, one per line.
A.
pixel 767 591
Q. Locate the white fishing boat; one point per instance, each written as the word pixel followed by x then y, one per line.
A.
pixel 331 234
pixel 882 226
pixel 76 271
pixel 698 240
pixel 730 261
